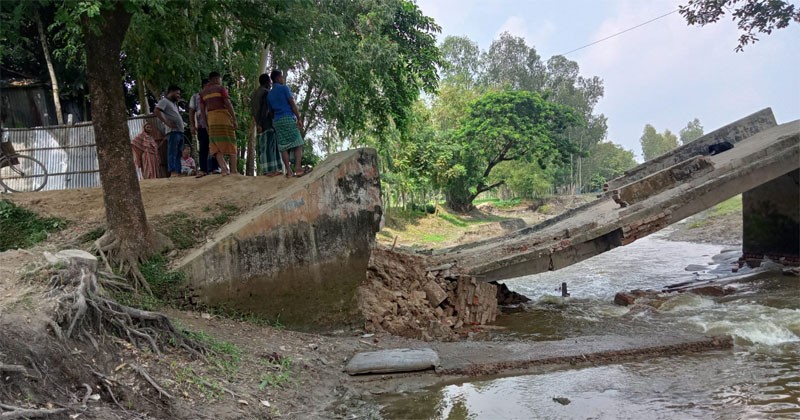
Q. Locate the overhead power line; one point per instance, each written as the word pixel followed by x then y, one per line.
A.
pixel 622 32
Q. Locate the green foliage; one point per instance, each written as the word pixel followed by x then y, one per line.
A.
pixel 655 144
pixel 502 126
pixel 606 161
pixel 279 373
pixel 23 228
pixel 751 16
pixel 166 286
pixel 692 131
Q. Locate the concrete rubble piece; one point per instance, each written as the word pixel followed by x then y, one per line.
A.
pixel 404 298
pixel 392 361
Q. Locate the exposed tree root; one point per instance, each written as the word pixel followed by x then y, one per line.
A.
pixel 85 311
pixel 151 381
pixel 112 251
pixel 8 412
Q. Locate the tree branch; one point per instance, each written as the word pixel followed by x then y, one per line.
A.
pixel 484 188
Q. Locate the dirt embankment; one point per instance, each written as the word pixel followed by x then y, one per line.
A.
pixel 705 227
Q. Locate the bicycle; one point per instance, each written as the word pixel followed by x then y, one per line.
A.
pixel 20 173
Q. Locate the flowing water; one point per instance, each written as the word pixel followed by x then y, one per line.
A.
pixel 759 378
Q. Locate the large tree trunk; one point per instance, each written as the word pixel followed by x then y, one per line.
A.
pixel 50 69
pixel 129 238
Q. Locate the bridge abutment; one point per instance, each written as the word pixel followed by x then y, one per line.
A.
pixel 771 221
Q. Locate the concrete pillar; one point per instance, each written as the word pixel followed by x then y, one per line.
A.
pixel 771 217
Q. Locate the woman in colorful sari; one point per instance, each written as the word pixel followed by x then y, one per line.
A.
pixel 215 104
pixel 287 123
pixel 145 152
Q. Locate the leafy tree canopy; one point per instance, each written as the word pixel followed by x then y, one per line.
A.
pixel 502 126
pixel 753 17
pixel 692 131
pixel 655 144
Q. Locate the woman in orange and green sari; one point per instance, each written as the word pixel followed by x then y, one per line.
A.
pixel 215 104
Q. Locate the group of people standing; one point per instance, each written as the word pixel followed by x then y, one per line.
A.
pixel 278 125
pixel 213 120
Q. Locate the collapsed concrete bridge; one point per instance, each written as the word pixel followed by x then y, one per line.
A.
pixel 302 255
pixel 763 166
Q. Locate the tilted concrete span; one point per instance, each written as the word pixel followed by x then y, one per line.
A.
pixel 300 257
pixel 658 193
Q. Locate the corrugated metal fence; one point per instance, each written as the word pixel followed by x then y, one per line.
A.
pixel 67 151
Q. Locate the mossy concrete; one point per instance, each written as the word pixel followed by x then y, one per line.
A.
pixel 300 257
pixel 771 219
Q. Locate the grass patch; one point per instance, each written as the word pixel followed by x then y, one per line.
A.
pixel 435 238
pixel 227 356
pixel 732 205
pixel 500 204
pixel 280 373
pixel 544 209
pixel 166 286
pixel 23 228
pixel 453 219
pixel 186 231
pixel 93 234
pixel 729 206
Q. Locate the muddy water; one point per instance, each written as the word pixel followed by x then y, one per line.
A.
pixel 759 378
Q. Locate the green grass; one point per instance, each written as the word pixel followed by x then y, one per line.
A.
pixel 501 204
pixel 279 374
pixel 730 206
pixel 186 231
pixel 453 219
pixel 93 234
pixel 226 355
pixel 166 286
pixel 23 228
pixel 434 238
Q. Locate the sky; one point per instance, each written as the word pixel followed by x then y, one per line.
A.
pixel 665 73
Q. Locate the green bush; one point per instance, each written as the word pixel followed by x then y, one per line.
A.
pixel 23 228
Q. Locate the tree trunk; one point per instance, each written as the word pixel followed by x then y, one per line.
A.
pixel 50 69
pixel 129 239
pixel 144 104
pixel 460 202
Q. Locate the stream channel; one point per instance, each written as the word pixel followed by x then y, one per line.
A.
pixel 759 378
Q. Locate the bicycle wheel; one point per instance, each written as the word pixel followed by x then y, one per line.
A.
pixel 27 175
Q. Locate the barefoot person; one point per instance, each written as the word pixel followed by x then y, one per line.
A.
pixel 287 123
pixel 215 105
pixel 269 158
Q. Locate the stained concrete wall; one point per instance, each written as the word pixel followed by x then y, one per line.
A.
pixel 771 216
pixel 300 257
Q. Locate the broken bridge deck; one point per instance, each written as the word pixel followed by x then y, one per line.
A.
pixel 634 209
